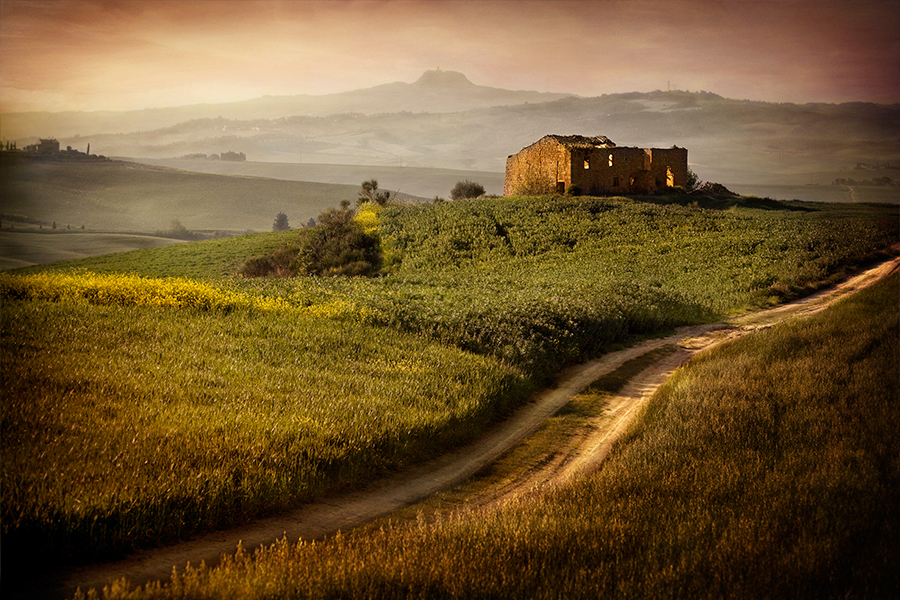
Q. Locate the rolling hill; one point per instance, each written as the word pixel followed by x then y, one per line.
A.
pixel 123 196
pixel 445 121
pixel 435 91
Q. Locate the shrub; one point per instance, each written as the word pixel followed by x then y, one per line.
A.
pixel 280 263
pixel 693 180
pixel 466 189
pixel 369 193
pixel 338 245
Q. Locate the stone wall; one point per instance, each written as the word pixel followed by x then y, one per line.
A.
pixel 538 169
pixel 669 167
pixel 610 170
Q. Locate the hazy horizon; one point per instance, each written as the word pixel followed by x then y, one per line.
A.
pixel 60 55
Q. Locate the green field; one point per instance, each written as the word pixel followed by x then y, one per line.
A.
pixel 767 468
pixel 141 408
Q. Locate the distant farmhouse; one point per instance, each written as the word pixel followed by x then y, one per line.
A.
pixel 47 150
pixel 593 165
pixel 44 147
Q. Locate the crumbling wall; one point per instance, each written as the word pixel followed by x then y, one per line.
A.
pixel 600 171
pixel 542 168
pixel 669 167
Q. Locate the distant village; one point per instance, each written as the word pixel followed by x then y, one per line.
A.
pixel 49 149
pixel 232 156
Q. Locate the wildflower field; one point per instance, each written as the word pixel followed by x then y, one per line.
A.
pixel 153 394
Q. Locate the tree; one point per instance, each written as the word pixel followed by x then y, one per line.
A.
pixel 369 193
pixel 693 180
pixel 466 189
pixel 281 222
pixel 179 231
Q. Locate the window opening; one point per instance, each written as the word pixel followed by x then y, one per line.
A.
pixel 610 160
pixel 587 162
pixel 615 182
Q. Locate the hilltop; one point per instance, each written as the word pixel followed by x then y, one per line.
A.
pixel 435 91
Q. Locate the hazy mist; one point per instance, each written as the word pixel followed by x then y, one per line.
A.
pixel 118 55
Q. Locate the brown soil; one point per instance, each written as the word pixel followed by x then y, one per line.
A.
pixel 582 454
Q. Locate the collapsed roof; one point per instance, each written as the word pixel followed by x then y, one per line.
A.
pixel 583 141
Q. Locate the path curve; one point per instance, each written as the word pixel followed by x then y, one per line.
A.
pixel 583 455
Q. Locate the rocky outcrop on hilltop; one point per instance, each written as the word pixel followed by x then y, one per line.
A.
pixel 714 190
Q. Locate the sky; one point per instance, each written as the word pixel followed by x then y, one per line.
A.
pixel 58 55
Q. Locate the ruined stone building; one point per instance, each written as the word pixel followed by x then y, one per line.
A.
pixel 593 165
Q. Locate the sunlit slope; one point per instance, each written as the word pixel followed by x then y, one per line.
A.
pixel 216 258
pixel 505 291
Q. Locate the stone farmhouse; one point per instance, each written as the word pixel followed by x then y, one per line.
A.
pixel 593 165
pixel 50 146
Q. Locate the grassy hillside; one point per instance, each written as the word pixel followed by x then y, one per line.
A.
pixel 540 282
pixel 124 196
pixel 216 258
pixel 482 299
pixel 766 469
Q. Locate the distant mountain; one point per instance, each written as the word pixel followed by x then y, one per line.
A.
pixel 434 92
pixel 444 121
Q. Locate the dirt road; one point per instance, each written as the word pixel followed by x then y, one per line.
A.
pixel 583 454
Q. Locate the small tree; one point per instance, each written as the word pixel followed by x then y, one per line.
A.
pixel 693 180
pixel 281 222
pixel 369 193
pixel 466 189
pixel 179 231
